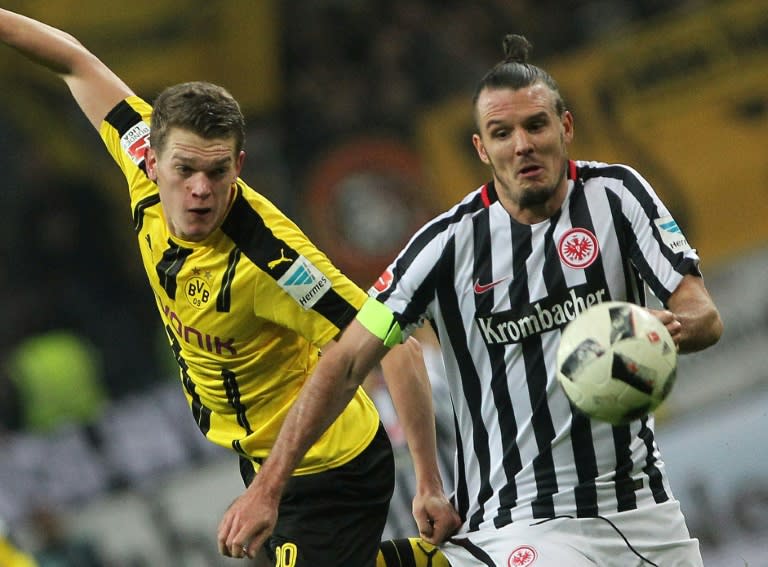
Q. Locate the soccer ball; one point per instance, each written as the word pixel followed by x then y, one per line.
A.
pixel 616 362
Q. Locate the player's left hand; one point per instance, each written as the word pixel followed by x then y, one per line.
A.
pixel 671 322
pixel 435 517
pixel 247 524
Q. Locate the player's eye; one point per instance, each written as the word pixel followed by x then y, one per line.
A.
pixel 217 173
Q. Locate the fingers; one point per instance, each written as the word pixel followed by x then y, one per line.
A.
pixel 239 544
pixel 436 518
pixel 238 550
pixel 222 536
pixel 671 322
pixel 426 529
pixel 437 531
pixel 233 542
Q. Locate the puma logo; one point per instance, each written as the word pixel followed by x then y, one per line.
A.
pixel 271 265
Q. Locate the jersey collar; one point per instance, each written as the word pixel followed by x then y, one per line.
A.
pixel 488 192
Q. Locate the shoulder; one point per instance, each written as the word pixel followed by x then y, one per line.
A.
pixel 128 112
pixel 125 129
pixel 618 178
pixel 473 203
pixel 588 170
pixel 261 210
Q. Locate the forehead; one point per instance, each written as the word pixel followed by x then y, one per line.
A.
pixel 185 144
pixel 514 104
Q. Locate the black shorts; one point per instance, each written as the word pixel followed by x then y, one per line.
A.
pixel 334 518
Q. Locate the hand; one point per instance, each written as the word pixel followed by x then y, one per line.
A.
pixel 435 517
pixel 671 322
pixel 247 523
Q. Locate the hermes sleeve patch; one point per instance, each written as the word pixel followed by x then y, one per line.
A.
pixel 304 283
pixel 671 235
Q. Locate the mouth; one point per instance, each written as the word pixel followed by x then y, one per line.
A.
pixel 530 171
pixel 200 211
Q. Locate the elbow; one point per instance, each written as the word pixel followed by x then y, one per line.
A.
pixel 708 334
pixel 715 329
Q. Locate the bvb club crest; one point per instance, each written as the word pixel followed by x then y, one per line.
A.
pixel 198 290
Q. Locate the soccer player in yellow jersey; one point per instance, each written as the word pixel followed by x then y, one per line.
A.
pixel 247 302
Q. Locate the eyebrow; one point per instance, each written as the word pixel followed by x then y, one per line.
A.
pixel 537 116
pixel 194 160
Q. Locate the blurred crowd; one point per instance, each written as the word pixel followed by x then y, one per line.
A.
pixel 354 67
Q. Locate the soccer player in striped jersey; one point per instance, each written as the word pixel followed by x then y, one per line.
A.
pixel 498 276
pixel 247 302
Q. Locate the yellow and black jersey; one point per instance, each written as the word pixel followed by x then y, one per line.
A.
pixel 246 310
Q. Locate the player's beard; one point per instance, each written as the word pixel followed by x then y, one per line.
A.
pixel 529 197
pixel 534 196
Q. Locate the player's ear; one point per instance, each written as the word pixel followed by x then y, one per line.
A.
pixel 480 148
pixel 150 162
pixel 567 127
pixel 239 162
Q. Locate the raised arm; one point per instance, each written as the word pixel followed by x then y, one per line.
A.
pixel 406 376
pixel 93 85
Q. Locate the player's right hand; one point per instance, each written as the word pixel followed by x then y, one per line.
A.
pixel 247 523
pixel 435 517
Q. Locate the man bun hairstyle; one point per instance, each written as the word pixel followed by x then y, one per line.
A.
pixel 514 72
pixel 516 48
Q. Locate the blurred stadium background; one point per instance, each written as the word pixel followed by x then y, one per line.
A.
pixel 359 128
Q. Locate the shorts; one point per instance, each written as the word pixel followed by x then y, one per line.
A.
pixel 334 518
pixel 635 538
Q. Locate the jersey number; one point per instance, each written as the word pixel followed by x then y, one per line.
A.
pixel 286 555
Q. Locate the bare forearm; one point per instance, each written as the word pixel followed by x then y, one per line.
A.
pixel 411 393
pixel 40 42
pixel 701 325
pixel 324 396
pixel 95 88
pixel 321 400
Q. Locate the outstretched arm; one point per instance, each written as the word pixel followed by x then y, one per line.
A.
pixel 406 376
pixel 342 368
pixel 93 85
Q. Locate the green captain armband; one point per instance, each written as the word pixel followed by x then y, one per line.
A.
pixel 379 320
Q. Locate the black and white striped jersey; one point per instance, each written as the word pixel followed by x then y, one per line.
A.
pixel 498 294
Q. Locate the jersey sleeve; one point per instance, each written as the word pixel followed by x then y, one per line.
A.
pixel 658 247
pixel 408 286
pixel 125 133
pixel 299 288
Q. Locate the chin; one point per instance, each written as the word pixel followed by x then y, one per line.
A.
pixel 535 196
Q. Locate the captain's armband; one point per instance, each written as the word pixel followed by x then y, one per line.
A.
pixel 380 321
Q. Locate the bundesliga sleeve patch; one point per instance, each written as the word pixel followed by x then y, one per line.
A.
pixel 671 234
pixel 135 141
pixel 304 283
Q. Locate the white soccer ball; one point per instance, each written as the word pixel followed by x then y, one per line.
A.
pixel 616 362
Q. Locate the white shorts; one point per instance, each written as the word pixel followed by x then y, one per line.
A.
pixel 637 538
